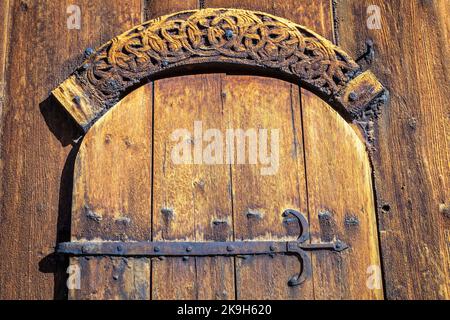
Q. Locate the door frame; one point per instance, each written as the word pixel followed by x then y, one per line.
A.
pixel 190 39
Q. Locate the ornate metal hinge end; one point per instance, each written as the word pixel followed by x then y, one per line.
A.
pixel 297 248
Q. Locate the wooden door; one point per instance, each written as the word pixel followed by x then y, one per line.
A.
pixel 128 188
pixel 131 190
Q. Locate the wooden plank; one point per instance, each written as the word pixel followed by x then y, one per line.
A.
pixel 341 204
pixel 157 8
pixel 411 59
pixel 33 158
pixel 313 14
pixel 262 5
pixel 112 178
pixel 5 8
pixel 191 202
pixel 112 278
pixel 321 156
pixel 36 138
pixel 5 17
pixel 260 197
pixel 307 13
pixel 112 198
pixel 330 142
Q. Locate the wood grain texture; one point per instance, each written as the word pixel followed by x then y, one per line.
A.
pixel 341 204
pixel 331 281
pixel 113 173
pixel 260 195
pixel 5 18
pixel 255 279
pixel 191 201
pixel 36 137
pixel 314 14
pixel 210 36
pixel 181 216
pixel 81 110
pixel 411 58
pixel 112 198
pixel 340 197
pixel 112 278
pixel 157 8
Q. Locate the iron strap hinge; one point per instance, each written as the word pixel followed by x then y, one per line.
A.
pixel 297 248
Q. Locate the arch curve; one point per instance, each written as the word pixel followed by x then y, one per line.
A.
pixel 224 36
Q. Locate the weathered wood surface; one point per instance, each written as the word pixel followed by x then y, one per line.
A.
pixel 36 137
pixel 204 200
pixel 35 188
pixel 111 198
pixel 191 202
pixel 260 199
pixel 112 278
pixel 4 34
pixel 412 57
pixel 215 36
pixel 329 182
pixel 156 8
pixel 341 204
pixel 340 197
pixel 355 217
pixel 113 173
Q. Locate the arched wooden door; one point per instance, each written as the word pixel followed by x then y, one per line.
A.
pixel 167 204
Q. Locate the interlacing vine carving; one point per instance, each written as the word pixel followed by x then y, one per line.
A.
pixel 216 36
pixel 211 35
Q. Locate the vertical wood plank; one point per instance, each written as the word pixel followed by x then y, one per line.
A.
pixel 318 16
pixel 341 204
pixel 36 137
pixel 314 14
pixel 112 179
pixel 112 278
pixel 260 199
pixel 427 162
pixel 5 17
pixel 262 5
pixel 191 202
pixel 157 8
pixel 112 198
pixel 411 60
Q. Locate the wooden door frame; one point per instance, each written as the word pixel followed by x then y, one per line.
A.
pixel 268 44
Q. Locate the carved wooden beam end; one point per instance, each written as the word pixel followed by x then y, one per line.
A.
pixel 205 36
pixel 359 93
pixel 77 103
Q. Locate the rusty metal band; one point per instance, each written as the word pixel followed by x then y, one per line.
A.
pixel 296 248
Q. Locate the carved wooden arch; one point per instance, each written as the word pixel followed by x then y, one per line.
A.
pixel 233 36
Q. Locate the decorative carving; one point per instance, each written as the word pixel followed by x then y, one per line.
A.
pixel 367 117
pixel 202 36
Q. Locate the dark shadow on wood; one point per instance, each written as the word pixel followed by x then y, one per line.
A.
pixel 60 123
pixel 68 133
